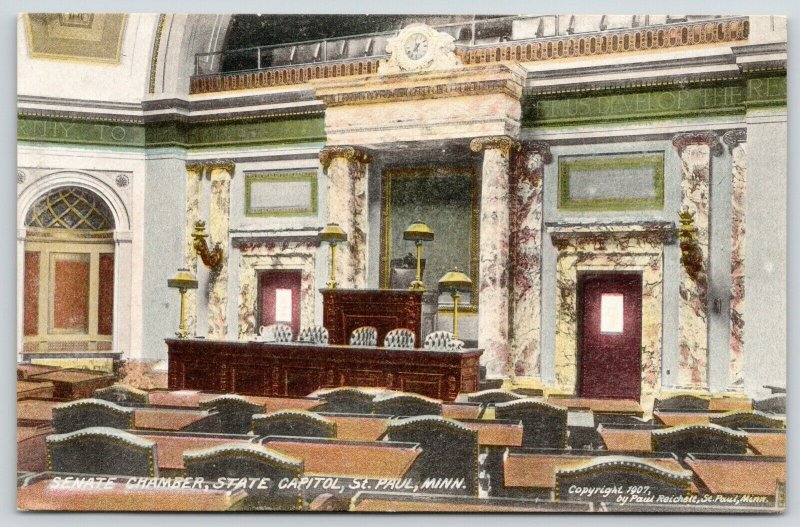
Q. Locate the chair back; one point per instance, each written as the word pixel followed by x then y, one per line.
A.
pixel 313 335
pixel 366 336
pixel 400 338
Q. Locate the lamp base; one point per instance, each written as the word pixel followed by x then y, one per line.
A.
pixel 416 285
pixel 331 285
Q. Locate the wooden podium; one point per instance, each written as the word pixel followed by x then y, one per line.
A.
pixel 386 309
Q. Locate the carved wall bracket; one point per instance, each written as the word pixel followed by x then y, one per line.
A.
pixel 691 254
pixel 212 258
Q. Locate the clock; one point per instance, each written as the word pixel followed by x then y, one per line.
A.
pixel 416 46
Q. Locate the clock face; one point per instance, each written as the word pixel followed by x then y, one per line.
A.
pixel 416 46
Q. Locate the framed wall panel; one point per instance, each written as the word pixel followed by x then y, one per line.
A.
pixel 612 182
pixel 280 194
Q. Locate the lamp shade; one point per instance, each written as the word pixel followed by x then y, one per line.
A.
pixel 332 233
pixel 418 231
pixel 455 280
pixel 183 280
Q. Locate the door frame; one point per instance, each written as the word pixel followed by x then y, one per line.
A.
pixel 259 299
pixel 581 279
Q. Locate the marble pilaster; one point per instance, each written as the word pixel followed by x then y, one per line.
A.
pixel 737 143
pixel 695 150
pixel 526 259
pixel 218 230
pixel 346 168
pixel 493 311
pixel 194 173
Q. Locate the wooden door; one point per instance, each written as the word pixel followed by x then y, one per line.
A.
pixel 280 299
pixel 610 335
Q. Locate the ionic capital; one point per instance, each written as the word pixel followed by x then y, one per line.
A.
pixel 537 154
pixel 350 153
pixel 682 140
pixel 734 138
pixel 500 142
pixel 206 167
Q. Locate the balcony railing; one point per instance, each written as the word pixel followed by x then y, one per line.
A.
pixel 478 32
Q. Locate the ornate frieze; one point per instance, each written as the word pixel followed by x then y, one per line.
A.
pixel 639 39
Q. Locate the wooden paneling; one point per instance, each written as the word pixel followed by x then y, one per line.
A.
pixel 70 293
pixel 105 301
pixel 31 295
pixel 386 309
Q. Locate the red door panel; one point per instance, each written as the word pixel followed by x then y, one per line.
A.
pixel 610 335
pixel 275 287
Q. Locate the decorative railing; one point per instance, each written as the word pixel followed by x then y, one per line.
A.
pixel 520 38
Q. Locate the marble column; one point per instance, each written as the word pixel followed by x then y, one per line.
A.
pixel 220 174
pixel 493 297
pixel 526 259
pixel 346 168
pixel 194 173
pixel 737 144
pixel 695 150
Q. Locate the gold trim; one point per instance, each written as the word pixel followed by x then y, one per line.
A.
pixel 156 45
pixel 386 214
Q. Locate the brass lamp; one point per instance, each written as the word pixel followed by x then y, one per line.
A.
pixel 333 235
pixel 454 282
pixel 183 281
pixel 418 232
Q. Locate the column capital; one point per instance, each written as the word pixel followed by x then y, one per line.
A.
pixel 205 167
pixel 734 138
pixel 537 154
pixel 350 153
pixel 500 142
pixel 682 140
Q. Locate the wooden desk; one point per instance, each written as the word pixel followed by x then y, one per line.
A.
pixel 349 459
pixel 538 471
pixel 394 502
pixel 767 443
pixel 627 440
pixel 169 419
pixel 74 384
pixel 490 433
pixel 170 448
pixel 34 390
pixel 26 370
pixel 39 496
pixel 736 475
pixel 385 309
pixel 295 370
pixel 599 406
pixel 32 448
pixel 683 418
pixel 35 411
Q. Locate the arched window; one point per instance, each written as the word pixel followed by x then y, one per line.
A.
pixel 69 274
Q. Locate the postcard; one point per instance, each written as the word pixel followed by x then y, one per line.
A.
pixel 394 263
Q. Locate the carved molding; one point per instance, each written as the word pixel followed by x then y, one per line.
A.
pixel 733 138
pixel 350 153
pixel 501 142
pixel 205 167
pixel 682 140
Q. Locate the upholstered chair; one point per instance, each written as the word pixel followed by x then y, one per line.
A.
pixel 442 341
pixel 313 335
pixel 364 336
pixel 399 338
pixel 276 333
